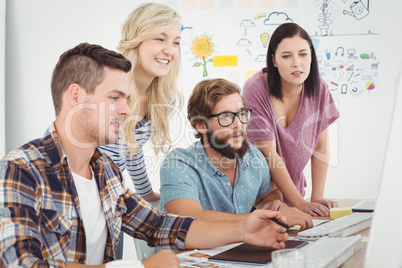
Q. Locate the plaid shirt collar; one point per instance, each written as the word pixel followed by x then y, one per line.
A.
pixel 59 159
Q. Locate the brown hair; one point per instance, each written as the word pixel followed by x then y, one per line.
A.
pixel 312 83
pixel 85 65
pixel 204 98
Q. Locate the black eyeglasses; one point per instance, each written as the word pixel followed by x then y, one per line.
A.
pixel 225 119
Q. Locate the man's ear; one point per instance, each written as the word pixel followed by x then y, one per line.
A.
pixel 74 93
pixel 201 126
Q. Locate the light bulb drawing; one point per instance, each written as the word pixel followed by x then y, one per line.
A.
pixel 264 39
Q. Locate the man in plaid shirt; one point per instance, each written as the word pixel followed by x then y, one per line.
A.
pixel 63 202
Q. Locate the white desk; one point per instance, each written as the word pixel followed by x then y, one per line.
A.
pixel 356 261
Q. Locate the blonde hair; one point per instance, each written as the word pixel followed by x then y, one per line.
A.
pixel 145 22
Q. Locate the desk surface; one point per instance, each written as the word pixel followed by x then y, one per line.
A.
pixel 357 260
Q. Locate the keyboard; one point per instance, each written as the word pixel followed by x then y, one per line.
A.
pixel 340 227
pixel 331 252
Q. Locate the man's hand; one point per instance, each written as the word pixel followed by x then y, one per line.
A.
pixel 152 196
pixel 165 258
pixel 293 215
pixel 275 205
pixel 260 231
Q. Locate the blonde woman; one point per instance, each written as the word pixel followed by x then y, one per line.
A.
pixel 151 41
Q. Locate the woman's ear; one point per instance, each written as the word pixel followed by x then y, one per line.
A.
pixel 274 61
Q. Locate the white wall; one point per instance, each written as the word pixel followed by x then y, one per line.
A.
pixel 39 31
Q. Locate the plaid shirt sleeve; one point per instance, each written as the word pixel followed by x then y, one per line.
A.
pixel 138 218
pixel 20 234
pixel 156 228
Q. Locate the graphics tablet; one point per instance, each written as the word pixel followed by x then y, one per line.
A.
pixel 246 253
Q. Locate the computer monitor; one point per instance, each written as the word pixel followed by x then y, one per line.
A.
pixel 384 247
pixel 351 53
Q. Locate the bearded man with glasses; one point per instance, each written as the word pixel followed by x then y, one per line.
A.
pixel 220 177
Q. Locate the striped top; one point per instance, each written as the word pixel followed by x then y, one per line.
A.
pixel 135 164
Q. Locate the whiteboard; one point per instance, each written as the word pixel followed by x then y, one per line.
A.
pixel 39 31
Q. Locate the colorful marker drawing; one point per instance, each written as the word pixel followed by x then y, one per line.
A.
pixel 348 74
pixel 203 48
pixel 256 32
pixel 260 15
pixel 183 28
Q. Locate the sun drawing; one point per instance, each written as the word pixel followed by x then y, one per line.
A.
pixel 202 49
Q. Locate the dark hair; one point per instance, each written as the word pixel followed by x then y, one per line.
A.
pixel 312 83
pixel 205 96
pixel 85 65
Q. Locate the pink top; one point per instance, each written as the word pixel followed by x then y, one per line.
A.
pixel 297 142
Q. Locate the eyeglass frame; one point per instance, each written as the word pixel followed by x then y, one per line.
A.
pixel 237 114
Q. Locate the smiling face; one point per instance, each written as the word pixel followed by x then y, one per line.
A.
pixel 293 60
pixel 157 55
pixel 103 112
pixel 229 140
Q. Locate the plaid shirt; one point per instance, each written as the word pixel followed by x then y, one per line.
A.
pixel 40 217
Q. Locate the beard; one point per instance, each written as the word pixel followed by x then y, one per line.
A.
pixel 225 149
pixel 91 133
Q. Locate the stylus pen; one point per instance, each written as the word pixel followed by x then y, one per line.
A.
pixel 281 223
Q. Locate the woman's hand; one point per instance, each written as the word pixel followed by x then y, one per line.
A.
pixel 329 203
pixel 314 209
